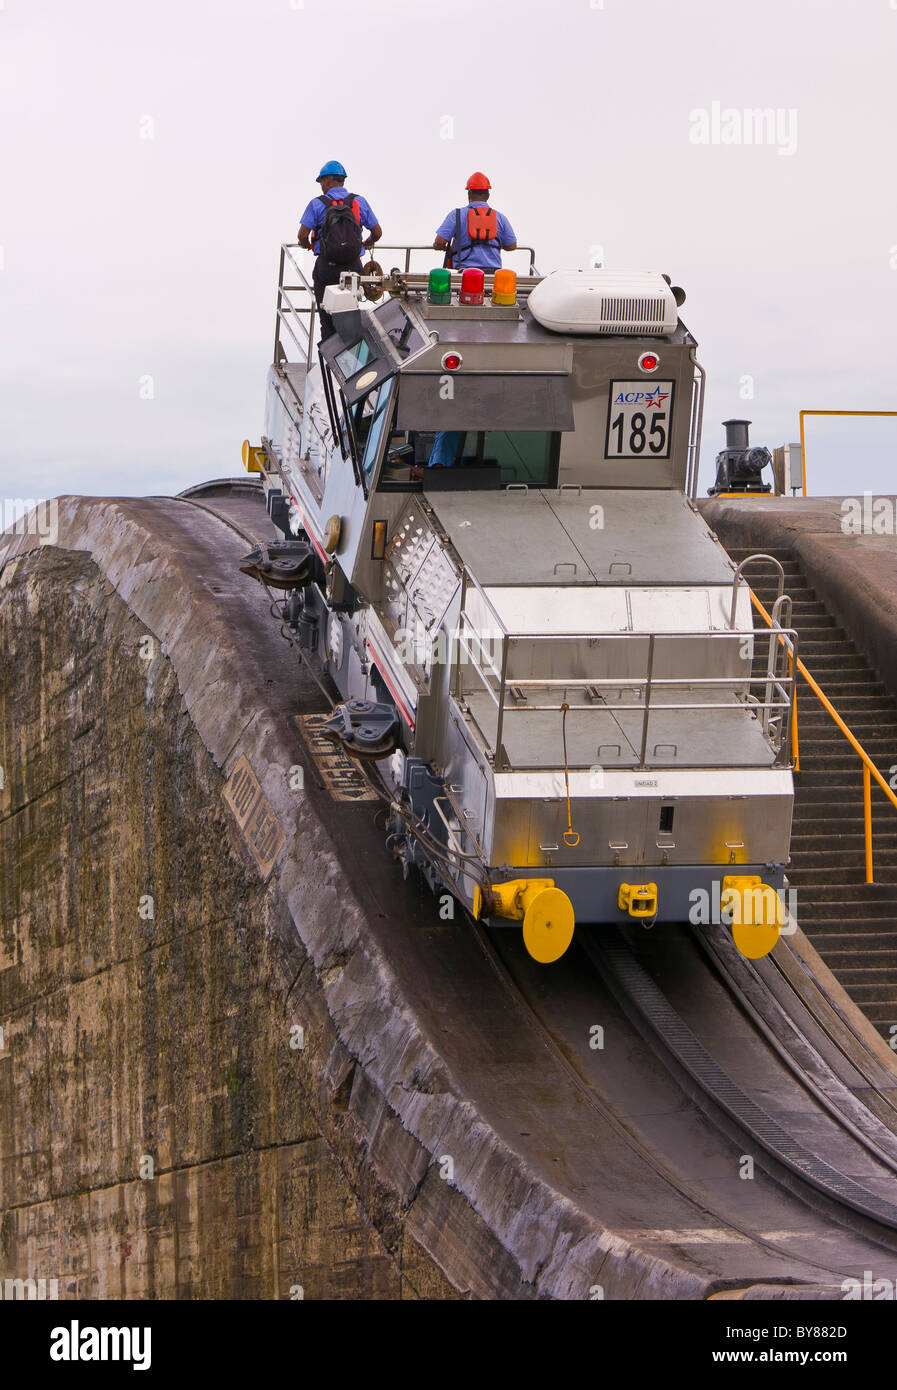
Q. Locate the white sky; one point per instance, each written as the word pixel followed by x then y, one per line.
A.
pixel 125 257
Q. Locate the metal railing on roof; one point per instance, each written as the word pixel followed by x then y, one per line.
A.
pixel 297 310
pixel 511 694
pixel 380 247
pixel 291 317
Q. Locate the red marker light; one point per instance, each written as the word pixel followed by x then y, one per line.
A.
pixel 452 361
pixel 649 361
pixel 473 283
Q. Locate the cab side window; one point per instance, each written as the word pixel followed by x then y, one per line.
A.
pixel 361 425
pixel 369 432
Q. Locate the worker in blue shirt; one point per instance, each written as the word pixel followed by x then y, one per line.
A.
pixel 336 239
pixel 475 235
pixel 444 454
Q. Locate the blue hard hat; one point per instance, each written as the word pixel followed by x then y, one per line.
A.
pixel 333 167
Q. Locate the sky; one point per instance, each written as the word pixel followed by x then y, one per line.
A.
pixel 153 156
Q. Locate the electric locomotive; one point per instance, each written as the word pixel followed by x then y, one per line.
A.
pixel 542 648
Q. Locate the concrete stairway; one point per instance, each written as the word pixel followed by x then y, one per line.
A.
pixel 852 924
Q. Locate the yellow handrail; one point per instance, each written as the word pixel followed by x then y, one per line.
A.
pixel 869 768
pixel 794 740
pixel 803 450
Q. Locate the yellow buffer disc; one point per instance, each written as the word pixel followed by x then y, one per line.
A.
pixel 755 940
pixel 548 925
pixel 757 919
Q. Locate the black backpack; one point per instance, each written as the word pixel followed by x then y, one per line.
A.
pixel 340 233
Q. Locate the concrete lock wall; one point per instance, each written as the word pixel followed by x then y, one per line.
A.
pixel 159 1135
pixel 240 1057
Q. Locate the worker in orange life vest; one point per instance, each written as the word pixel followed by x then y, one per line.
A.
pixel 477 234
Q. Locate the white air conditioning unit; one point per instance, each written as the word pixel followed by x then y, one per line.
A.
pixel 605 301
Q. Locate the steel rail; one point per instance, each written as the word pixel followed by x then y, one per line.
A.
pixel 795 1184
pixel 655 1019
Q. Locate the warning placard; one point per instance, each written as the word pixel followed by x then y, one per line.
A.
pixel 339 772
pixel 260 827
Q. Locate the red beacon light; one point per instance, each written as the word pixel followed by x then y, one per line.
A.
pixel 473 286
pixel 451 361
pixel 649 361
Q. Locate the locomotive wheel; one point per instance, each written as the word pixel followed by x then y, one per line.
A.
pixel 368 735
pixel 374 748
pixel 364 729
pixel 291 568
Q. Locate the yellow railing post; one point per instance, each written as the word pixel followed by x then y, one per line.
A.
pixel 869 768
pixel 794 743
pixel 867 820
pixel 803 448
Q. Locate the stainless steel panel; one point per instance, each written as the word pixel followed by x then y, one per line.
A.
pixel 367 573
pixel 485 401
pixel 597 362
pixel 510 537
pixel 430 734
pixel 555 610
pixel 344 499
pixel 499 345
pixel 641 538
pixel 603 736
pixel 468 782
pixel 707 830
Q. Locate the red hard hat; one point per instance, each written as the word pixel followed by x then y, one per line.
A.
pixel 478 180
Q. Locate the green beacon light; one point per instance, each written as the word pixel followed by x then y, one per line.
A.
pixel 439 287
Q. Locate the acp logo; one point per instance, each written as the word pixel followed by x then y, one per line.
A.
pixel 655 397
